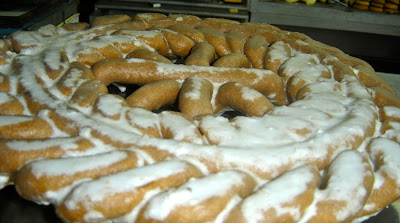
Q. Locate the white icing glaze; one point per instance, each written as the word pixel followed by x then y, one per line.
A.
pixel 129 180
pixel 271 141
pixel 69 166
pixel 197 83
pixel 338 189
pixel 14 120
pixel 192 192
pixel 65 143
pixel 278 195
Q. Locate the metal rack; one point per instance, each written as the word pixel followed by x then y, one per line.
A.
pixel 201 8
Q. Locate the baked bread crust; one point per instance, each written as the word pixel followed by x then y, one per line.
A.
pixel 310 113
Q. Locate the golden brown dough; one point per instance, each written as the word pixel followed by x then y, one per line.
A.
pixel 4 83
pixel 383 97
pixel 244 99
pixel 215 38
pixel 236 41
pixel 193 208
pixel 110 19
pixel 4 45
pixel 195 97
pixel 190 32
pixel 154 95
pixel 35 187
pixel 87 93
pixel 170 120
pixel 24 127
pixel 232 60
pixel 11 105
pixel 76 26
pixel 76 74
pixel 149 16
pixel 255 49
pixel 12 159
pixel 148 55
pixel 277 53
pixel 270 212
pixel 132 70
pixel 138 184
pixel 202 54
pixel 179 44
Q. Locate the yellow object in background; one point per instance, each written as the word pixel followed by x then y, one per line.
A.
pixel 233 10
pixel 234 1
pixel 72 19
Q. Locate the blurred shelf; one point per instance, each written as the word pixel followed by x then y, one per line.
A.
pixel 324 16
pixel 204 8
pixel 15 17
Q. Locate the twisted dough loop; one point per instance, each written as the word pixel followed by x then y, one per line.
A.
pixel 136 161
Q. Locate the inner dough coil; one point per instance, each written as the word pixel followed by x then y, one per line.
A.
pixel 149 16
pixel 235 40
pixel 179 44
pixel 102 47
pixel 190 32
pixel 154 95
pixel 124 43
pixel 89 57
pixel 90 197
pixel 306 76
pixel 169 121
pixel 76 74
pixel 152 38
pixel 195 97
pixel 242 98
pixel 106 104
pixel 54 62
pixel 110 19
pixel 145 121
pixel 87 93
pixel 277 53
pixel 148 55
pixel 255 48
pixel 232 60
pixel 215 38
pixel 202 54
pixel 133 70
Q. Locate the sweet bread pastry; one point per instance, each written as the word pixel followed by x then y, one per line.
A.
pixel 175 118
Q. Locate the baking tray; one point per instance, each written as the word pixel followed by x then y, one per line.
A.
pixel 13 208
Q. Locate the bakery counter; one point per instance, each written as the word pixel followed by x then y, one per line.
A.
pixel 325 16
pixel 371 36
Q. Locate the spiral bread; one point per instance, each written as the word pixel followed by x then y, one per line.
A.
pixel 179 119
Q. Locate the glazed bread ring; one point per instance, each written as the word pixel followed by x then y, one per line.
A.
pixel 157 109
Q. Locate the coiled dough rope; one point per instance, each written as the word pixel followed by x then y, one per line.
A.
pixel 322 116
